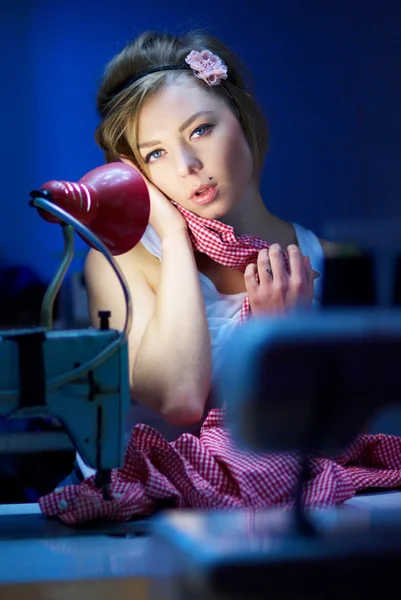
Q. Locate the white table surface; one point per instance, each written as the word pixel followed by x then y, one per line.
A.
pixel 104 556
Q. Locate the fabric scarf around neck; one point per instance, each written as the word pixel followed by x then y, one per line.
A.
pixel 218 241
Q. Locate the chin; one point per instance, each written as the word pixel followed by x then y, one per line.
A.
pixel 217 210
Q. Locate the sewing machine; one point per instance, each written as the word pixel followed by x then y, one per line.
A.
pixel 80 378
pixel 39 377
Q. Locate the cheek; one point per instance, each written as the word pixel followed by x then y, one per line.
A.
pixel 167 182
pixel 238 157
pixel 161 179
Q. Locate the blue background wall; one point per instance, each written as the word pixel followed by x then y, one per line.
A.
pixel 326 73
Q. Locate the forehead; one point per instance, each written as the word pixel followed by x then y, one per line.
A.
pixel 173 104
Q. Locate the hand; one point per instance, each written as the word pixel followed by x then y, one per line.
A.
pixel 271 289
pixel 164 217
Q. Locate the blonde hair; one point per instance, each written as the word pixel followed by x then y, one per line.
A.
pixel 119 102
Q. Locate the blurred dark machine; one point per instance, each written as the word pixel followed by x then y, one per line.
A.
pixel 309 383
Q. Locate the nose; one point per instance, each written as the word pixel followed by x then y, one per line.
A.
pixel 187 161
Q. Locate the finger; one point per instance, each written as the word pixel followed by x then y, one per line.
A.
pixel 251 278
pixel 277 263
pixel 310 286
pixel 310 271
pixel 264 267
pixel 298 268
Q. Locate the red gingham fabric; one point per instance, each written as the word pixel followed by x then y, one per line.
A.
pixel 209 472
pixel 219 242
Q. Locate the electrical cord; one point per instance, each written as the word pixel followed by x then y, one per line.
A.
pixel 112 348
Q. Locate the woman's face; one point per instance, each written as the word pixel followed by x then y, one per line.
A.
pixel 191 140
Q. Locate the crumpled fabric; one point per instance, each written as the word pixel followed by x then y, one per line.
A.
pixel 209 472
pixel 220 242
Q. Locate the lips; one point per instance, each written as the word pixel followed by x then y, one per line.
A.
pixel 205 194
pixel 201 189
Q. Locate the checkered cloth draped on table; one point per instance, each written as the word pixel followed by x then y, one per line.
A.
pixel 208 471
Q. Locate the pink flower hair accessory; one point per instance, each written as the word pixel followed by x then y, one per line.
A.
pixel 207 66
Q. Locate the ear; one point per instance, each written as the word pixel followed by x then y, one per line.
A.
pixel 124 158
pixel 127 161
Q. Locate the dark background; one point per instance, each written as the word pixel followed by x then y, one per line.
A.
pixel 326 73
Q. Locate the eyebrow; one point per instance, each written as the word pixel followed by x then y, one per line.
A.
pixel 181 128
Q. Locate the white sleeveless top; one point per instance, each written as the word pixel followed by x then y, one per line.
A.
pixel 223 312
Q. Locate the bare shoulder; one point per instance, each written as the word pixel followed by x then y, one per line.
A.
pixel 106 293
pixel 96 261
pixel 99 272
pixel 101 279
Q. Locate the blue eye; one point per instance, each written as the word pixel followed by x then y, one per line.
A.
pixel 151 155
pixel 202 130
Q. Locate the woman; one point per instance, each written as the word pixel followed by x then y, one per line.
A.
pixel 178 110
pixel 185 119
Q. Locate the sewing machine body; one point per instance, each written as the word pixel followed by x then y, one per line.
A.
pixel 91 408
pixel 305 382
pixel 313 381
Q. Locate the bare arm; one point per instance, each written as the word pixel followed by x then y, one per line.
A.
pixel 169 344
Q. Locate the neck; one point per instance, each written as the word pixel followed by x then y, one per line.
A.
pixel 250 216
